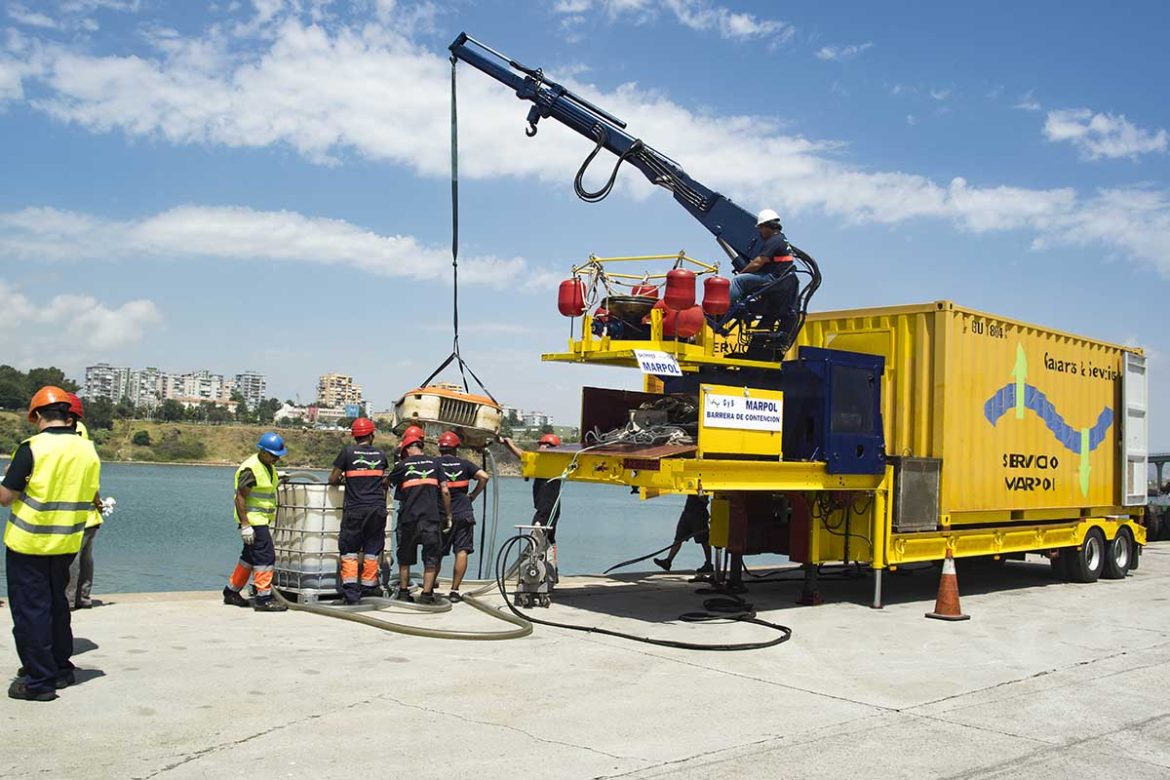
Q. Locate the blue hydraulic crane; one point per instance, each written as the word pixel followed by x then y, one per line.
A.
pixel 733 226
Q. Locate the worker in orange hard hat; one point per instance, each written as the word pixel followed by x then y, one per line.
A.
pixel 81 570
pixel 459 474
pixel 424 507
pixel 363 468
pixel 546 493
pixel 52 485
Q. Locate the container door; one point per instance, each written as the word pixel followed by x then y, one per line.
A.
pixel 1134 433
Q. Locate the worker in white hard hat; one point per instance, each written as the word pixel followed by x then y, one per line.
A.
pixel 773 259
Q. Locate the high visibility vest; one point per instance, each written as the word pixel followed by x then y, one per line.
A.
pixel 95 517
pixel 50 514
pixel 261 501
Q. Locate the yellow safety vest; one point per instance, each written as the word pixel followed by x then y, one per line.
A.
pixel 95 517
pixel 261 501
pixel 50 514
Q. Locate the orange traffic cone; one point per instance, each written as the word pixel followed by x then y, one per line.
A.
pixel 946 606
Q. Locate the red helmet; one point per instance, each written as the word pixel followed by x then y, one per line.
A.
pixel 46 396
pixel 449 440
pixel 409 439
pixel 362 426
pixel 413 430
pixel 551 439
pixel 75 407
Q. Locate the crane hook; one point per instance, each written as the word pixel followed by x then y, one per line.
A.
pixel 530 131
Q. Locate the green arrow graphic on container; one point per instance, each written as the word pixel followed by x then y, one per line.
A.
pixel 1020 372
pixel 1085 467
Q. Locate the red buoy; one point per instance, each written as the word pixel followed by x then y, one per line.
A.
pixel 571 297
pixel 680 289
pixel 689 322
pixel 646 291
pixel 716 295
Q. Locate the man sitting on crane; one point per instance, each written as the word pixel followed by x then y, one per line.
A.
pixel 773 262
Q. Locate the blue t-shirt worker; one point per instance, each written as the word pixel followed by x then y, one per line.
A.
pixel 774 259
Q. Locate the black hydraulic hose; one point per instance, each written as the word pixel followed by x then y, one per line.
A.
pixel 632 561
pixel 745 615
pixel 579 179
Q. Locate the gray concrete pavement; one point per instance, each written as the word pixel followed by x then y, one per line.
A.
pixel 1047 680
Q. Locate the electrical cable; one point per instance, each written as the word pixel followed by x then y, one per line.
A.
pixel 745 614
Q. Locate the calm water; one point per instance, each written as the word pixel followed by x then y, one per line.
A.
pixel 173 528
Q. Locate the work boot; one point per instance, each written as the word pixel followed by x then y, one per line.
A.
pixel 20 690
pixel 663 563
pixel 403 594
pixel 427 598
pixel 454 596
pixel 706 568
pixel 64 679
pixel 234 598
pixel 269 605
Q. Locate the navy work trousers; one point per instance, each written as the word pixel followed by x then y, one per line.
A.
pixel 40 615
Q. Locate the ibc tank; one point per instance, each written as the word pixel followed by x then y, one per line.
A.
pixel 304 533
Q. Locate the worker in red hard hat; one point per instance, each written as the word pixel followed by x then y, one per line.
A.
pixel 424 506
pixel 546 493
pixel 363 468
pixel 81 569
pixel 459 474
pixel 51 484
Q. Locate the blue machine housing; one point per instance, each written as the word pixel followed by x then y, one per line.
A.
pixel 832 410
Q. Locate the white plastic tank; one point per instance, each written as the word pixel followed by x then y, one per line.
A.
pixel 304 533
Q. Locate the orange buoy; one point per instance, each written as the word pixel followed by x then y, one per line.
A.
pixel 716 295
pixel 571 297
pixel 645 291
pixel 689 322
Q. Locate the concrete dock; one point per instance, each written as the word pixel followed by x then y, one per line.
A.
pixel 1046 680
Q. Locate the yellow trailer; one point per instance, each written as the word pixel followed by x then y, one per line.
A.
pixel 888 436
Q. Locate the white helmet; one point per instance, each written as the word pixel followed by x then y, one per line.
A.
pixel 766 216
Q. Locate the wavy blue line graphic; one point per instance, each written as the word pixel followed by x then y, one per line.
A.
pixel 1004 401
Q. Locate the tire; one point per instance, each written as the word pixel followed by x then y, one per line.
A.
pixel 1088 560
pixel 1118 556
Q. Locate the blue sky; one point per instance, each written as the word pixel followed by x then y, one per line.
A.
pixel 264 184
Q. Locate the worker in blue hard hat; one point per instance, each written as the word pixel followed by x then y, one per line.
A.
pixel 255 508
pixel 773 260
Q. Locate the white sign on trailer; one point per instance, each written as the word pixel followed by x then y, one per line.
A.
pixel 656 362
pixel 743 412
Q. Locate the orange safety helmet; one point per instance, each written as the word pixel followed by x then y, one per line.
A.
pixel 449 440
pixel 413 430
pixel 46 396
pixel 551 439
pixel 409 439
pixel 362 426
pixel 75 407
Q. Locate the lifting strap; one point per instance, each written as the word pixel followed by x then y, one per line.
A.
pixel 464 369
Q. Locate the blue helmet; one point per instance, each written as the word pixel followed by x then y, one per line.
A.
pixel 272 443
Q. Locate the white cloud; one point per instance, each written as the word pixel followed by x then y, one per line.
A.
pixel 64 327
pixel 700 15
pixel 940 94
pixel 842 52
pixel 1028 102
pixel 330 91
pixel 21 15
pixel 1102 135
pixel 187 232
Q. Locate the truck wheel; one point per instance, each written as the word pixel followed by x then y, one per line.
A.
pixel 1118 556
pixel 1088 560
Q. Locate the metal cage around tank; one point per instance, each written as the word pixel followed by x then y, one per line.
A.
pixel 304 533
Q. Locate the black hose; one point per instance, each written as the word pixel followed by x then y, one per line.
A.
pixel 744 614
pixel 578 181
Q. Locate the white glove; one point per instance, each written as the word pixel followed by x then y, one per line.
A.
pixel 447 523
pixel 108 504
pixel 248 534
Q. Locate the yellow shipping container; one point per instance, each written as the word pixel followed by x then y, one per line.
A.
pixel 1026 421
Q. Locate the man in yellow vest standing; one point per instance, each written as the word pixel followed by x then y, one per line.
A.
pixel 81 570
pixel 255 508
pixel 51 484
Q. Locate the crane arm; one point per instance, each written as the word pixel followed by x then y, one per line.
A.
pixel 733 226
